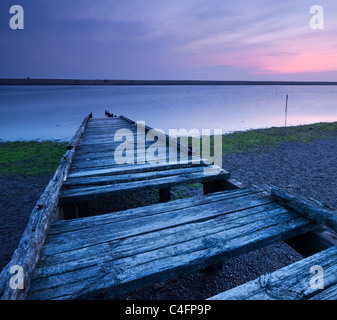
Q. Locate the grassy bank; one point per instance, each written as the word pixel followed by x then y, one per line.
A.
pixel 30 158
pixel 35 158
pixel 256 139
pixel 259 140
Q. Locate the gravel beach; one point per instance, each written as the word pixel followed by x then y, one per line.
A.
pixel 307 169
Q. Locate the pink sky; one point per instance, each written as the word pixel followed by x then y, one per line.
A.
pixel 151 39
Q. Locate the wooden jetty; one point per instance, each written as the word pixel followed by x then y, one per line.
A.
pixel 68 252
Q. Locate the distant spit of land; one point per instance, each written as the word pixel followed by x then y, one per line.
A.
pixel 29 81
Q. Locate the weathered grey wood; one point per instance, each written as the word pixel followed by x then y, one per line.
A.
pixel 152 210
pixel 127 119
pixel 69 239
pixel 100 150
pixel 95 192
pixel 329 293
pixel 138 176
pixel 291 282
pixel 56 261
pixel 311 209
pixel 151 256
pixel 28 252
pixel 106 162
pixel 121 169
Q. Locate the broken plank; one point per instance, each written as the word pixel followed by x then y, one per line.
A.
pixel 120 169
pixel 70 257
pixel 135 213
pixel 95 192
pixel 112 229
pixel 104 180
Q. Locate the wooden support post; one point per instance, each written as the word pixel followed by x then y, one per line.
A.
pixel 164 194
pixel 209 187
pixel 69 211
pixel 220 185
pixel 83 209
pixel 76 210
pixel 59 215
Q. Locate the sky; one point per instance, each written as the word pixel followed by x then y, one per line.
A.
pixel 173 40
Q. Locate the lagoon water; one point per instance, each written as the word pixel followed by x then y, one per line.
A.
pixel 55 112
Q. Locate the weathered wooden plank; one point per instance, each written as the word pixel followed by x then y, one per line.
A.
pixel 71 259
pixel 329 293
pixel 102 126
pixel 115 121
pixel 97 148
pixel 105 180
pixel 172 140
pixel 95 192
pixel 168 219
pixel 135 213
pixel 105 162
pixel 99 135
pixel 95 154
pixel 113 275
pixel 127 119
pixel 311 209
pixel 107 120
pixel 109 141
pixel 120 169
pixel 291 282
pixel 28 252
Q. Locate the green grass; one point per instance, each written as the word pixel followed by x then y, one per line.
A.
pixel 32 158
pixel 259 140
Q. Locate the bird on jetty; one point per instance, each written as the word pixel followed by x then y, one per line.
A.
pixel 108 114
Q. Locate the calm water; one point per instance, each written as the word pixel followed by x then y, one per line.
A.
pixel 55 112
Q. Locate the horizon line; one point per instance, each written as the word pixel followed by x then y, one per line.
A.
pixel 60 81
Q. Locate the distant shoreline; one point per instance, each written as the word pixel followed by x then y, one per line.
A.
pixel 106 82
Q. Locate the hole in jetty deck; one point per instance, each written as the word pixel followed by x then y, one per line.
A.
pixel 202 284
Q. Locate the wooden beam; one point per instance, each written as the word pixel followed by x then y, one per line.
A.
pixel 309 208
pixel 164 194
pixel 221 185
pixel 96 192
pixel 127 119
pixel 313 241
